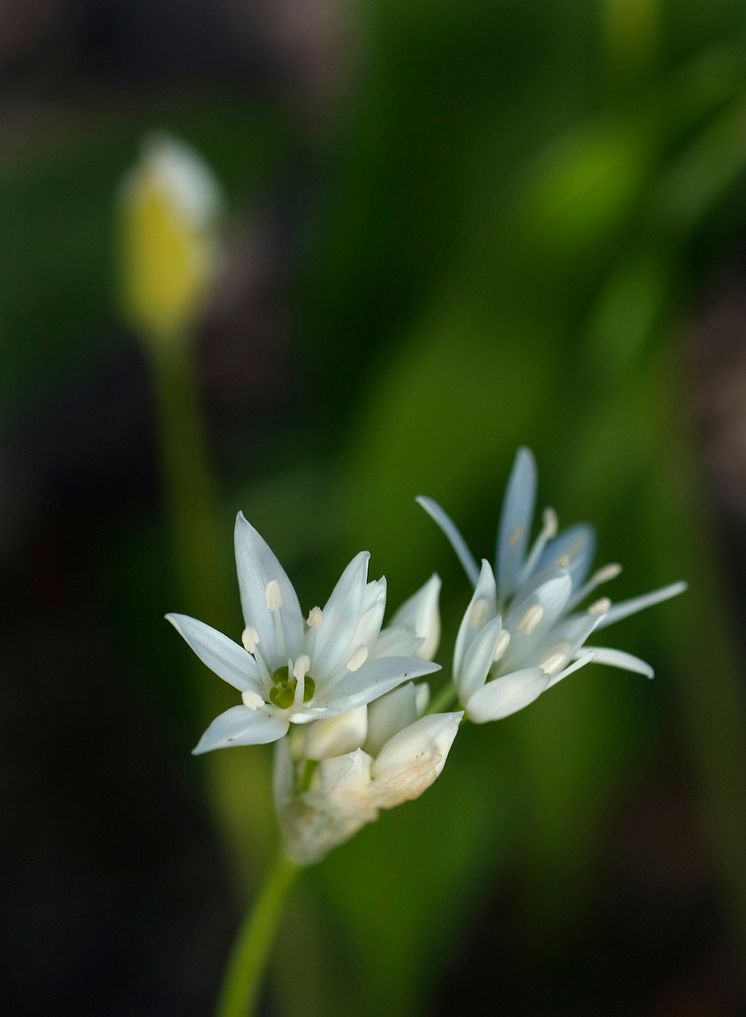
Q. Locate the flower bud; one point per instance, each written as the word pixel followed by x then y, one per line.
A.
pixel 413 759
pixel 334 736
pixel 169 207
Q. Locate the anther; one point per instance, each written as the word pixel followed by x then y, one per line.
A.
pixel 252 700
pixel 315 618
pixel 607 573
pixel 531 619
pixel 273 595
pixel 550 524
pixel 358 658
pixel 302 666
pixel 503 642
pixel 250 638
pixel 563 561
pixel 600 606
pixel 555 660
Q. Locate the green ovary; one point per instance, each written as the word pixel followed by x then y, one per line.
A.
pixel 282 693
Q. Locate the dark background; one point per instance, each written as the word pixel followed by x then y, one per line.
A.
pixel 453 229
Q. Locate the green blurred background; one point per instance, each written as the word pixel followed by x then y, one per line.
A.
pixel 453 229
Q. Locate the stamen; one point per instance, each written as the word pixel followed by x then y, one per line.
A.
pixel 478 614
pixel 600 607
pixel 603 575
pixel 502 644
pixel 302 666
pixel 358 658
pixel 548 531
pixel 315 618
pixel 563 561
pixel 531 619
pixel 556 659
pixel 515 536
pixel 250 638
pixel 252 700
pixel 273 595
pixel 550 523
pixel 300 689
pixel 607 573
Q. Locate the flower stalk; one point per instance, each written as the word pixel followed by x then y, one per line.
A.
pixel 247 963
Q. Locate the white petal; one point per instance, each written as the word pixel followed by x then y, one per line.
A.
pixel 341 787
pixel 369 623
pixel 390 714
pixel 478 659
pixel 280 631
pixel 573 549
pixel 515 521
pixel 374 679
pixel 449 528
pixel 564 640
pixel 420 613
pixel 536 608
pixel 482 607
pixel 618 658
pixel 334 736
pixel 422 697
pixel 394 641
pixel 581 661
pixel 240 726
pixel 328 643
pixel 227 659
pixel 413 759
pixel 627 607
pixel 506 695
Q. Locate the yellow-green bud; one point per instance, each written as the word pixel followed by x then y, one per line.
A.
pixel 170 205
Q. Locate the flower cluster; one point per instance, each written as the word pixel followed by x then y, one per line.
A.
pixel 338 691
pixel 524 629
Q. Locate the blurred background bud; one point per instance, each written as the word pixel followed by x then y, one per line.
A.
pixel 170 206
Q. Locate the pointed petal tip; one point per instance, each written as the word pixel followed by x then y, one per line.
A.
pixel 525 453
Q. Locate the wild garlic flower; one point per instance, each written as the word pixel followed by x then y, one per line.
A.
pixel 524 630
pixel 393 754
pixel 335 775
pixel 291 671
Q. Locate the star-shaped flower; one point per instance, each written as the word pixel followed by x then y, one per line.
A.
pixel 291 671
pixel 522 632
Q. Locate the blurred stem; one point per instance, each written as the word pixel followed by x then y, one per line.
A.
pixel 237 791
pixel 629 30
pixel 253 944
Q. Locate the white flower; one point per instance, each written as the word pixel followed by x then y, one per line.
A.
pixel 521 633
pixel 291 671
pixel 370 759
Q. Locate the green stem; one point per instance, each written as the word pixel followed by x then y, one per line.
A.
pixel 445 699
pixel 200 538
pixel 253 944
